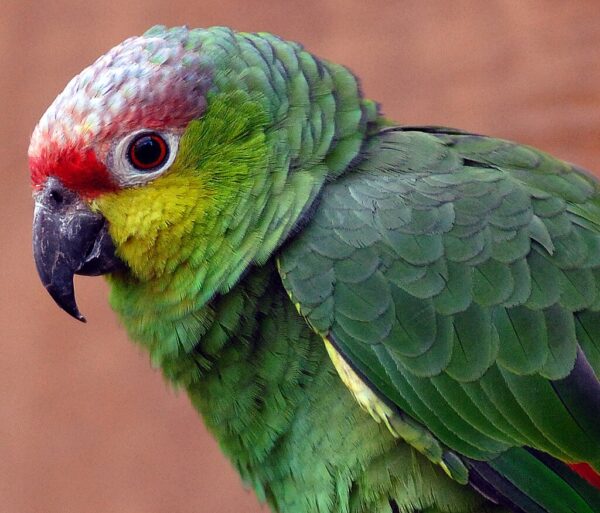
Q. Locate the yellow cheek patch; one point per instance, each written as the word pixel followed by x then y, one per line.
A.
pixel 149 223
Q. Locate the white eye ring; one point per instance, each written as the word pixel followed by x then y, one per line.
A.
pixel 121 164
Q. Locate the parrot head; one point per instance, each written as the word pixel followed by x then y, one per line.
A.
pixel 116 127
pixel 179 159
pixel 128 181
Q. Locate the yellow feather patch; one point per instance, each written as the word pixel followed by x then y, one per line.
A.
pixel 147 223
pixel 399 425
pixel 364 396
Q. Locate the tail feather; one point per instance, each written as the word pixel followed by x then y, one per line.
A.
pixel 590 494
pixel 528 481
pixel 499 490
pixel 587 472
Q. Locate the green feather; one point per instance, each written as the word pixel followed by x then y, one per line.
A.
pixel 506 284
pixel 456 275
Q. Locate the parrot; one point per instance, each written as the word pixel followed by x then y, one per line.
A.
pixel 369 317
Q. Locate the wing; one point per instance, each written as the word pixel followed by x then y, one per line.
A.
pixel 459 276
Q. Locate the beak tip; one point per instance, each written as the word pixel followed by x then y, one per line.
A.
pixel 63 294
pixel 72 310
pixel 76 314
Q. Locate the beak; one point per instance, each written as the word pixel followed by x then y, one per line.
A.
pixel 69 239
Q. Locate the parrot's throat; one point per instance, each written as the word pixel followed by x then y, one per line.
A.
pixel 250 367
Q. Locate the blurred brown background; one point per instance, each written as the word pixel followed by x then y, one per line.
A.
pixel 85 423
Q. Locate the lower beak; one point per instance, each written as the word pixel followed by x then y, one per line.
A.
pixel 69 239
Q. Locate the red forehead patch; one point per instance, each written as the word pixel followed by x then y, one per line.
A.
pixel 77 169
pixel 147 82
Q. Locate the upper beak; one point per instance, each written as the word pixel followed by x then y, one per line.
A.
pixel 68 239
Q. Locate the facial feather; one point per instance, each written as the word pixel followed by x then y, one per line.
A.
pixel 145 82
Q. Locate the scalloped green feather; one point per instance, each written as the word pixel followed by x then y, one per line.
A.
pixel 562 343
pixel 545 286
pixel 578 289
pixel 523 339
pixel 511 250
pixel 539 233
pixel 461 249
pixel 437 357
pixel 492 283
pixel 432 283
pixel 475 346
pixel 484 296
pixel 457 295
pixel 415 325
pixel 522 284
pixel 355 269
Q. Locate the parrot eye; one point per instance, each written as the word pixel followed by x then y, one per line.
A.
pixel 147 151
pixel 143 155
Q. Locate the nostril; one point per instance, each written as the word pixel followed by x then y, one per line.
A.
pixel 56 196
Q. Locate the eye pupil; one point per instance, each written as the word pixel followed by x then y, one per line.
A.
pixel 148 151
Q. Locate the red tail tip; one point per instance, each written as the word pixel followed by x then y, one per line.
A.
pixel 587 472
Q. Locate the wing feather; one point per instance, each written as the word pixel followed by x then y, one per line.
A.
pixel 461 276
